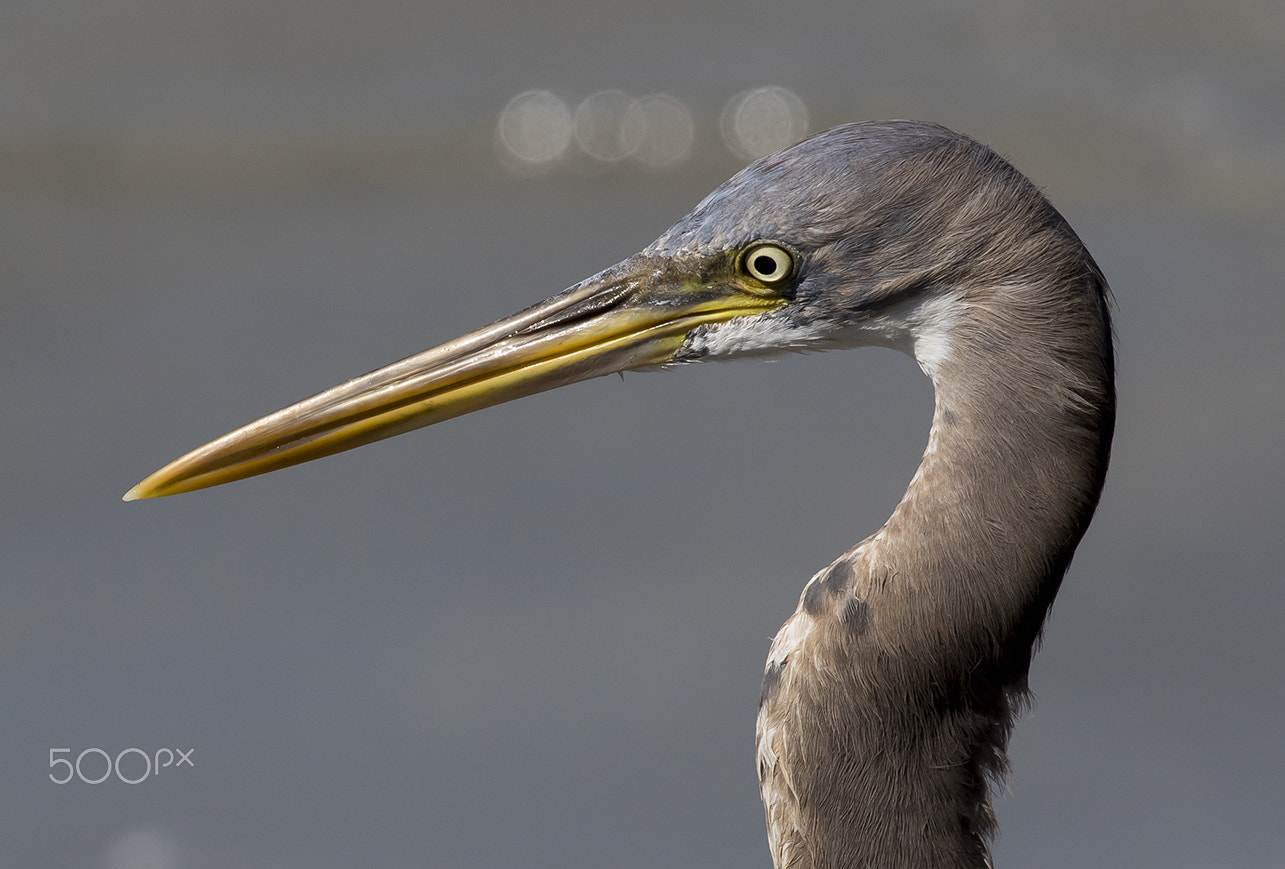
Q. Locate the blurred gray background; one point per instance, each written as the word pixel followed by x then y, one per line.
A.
pixel 533 637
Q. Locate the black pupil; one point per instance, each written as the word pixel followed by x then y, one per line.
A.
pixel 765 265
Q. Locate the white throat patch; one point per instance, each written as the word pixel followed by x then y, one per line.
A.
pixel 745 336
pixel 922 329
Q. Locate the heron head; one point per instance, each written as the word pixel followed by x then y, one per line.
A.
pixel 859 235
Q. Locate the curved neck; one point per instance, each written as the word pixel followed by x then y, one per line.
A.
pixel 891 692
pixel 1009 480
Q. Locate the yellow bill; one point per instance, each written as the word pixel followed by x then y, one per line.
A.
pixel 634 315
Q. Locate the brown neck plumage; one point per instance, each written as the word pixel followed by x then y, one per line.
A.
pixel 891 693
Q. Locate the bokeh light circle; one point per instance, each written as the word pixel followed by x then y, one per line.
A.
pixel 760 121
pixel 534 130
pixel 660 131
pixel 599 126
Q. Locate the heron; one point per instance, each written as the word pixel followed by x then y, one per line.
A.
pixel 889 695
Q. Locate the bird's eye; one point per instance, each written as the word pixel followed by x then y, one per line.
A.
pixel 768 263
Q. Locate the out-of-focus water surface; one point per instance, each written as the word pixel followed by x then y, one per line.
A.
pixel 534 637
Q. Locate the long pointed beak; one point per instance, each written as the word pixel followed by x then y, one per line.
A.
pixel 633 315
